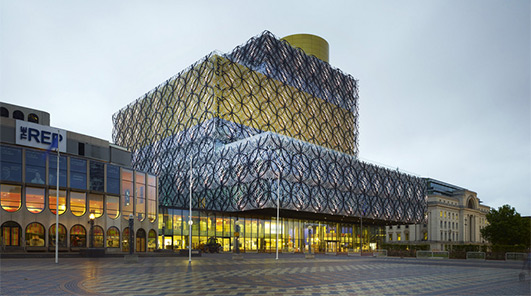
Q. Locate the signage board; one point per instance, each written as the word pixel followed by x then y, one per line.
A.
pixel 38 136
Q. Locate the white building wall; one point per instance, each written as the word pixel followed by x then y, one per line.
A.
pixel 455 219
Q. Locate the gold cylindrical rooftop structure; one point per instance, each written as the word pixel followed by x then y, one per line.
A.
pixel 310 44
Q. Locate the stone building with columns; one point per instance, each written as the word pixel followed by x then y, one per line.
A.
pixel 455 216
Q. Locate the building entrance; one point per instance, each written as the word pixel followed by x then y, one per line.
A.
pixel 225 244
pixel 331 246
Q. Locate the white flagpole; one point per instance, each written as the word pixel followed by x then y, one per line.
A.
pixel 190 217
pixel 57 206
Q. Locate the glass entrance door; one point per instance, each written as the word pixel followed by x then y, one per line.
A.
pixel 225 244
pixel 10 234
pixel 331 246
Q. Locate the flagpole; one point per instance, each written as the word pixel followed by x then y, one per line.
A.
pixel 57 205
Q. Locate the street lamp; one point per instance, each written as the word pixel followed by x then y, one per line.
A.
pixel 91 221
pixel 190 222
pixel 278 206
pixel 131 233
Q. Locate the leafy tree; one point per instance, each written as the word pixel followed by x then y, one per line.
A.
pixel 507 227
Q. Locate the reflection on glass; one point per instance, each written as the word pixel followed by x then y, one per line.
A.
pixel 78 201
pixel 140 240
pixel 113 237
pixel 113 206
pixel 35 235
pixel 78 173
pixel 152 198
pixel 10 164
pixel 62 236
pixel 98 236
pixel 140 187
pixel 52 194
pixel 125 240
pixel 97 173
pixel 152 240
pixel 10 198
pixel 78 236
pixel 11 233
pixel 96 204
pixel 35 167
pixel 35 199
pixel 52 170
pixel 113 179
pixel 127 193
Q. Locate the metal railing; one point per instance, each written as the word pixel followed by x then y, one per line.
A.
pixel 433 254
pixel 476 255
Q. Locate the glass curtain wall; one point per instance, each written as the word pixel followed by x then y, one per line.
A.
pixel 259 234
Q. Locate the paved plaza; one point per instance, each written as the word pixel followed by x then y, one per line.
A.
pixel 260 274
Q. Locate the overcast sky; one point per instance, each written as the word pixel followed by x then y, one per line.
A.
pixel 444 85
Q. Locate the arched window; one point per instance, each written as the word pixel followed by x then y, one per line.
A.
pixel 152 240
pixel 78 203
pixel 33 118
pixel 10 197
pixel 10 234
pixel 35 199
pixel 471 203
pixel 35 235
pixel 113 237
pixel 125 240
pixel 113 206
pixel 62 236
pixel 140 188
pixel 140 240
pixel 96 204
pixel 127 193
pixel 152 198
pixel 98 236
pixel 78 236
pixel 52 196
pixel 17 114
pixel 4 112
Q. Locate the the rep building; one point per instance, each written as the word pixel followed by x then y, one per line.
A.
pixel 95 181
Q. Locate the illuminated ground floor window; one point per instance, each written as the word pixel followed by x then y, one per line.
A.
pixel 35 235
pixel 10 234
pixel 259 234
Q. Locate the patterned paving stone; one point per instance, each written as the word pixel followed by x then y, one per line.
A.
pixel 259 275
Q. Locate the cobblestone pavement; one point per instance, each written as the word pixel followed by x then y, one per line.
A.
pixel 260 274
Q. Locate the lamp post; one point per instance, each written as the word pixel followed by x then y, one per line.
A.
pixel 361 235
pixel 278 207
pixel 190 222
pixel 310 240
pixel 131 233
pixel 91 221
pixel 278 199
pixel 237 236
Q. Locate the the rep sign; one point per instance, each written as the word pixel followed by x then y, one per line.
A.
pixel 38 136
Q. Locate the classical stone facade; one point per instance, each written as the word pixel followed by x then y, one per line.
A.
pixel 455 216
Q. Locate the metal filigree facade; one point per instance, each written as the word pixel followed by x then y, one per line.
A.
pixel 262 112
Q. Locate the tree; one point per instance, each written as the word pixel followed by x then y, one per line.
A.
pixel 507 227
